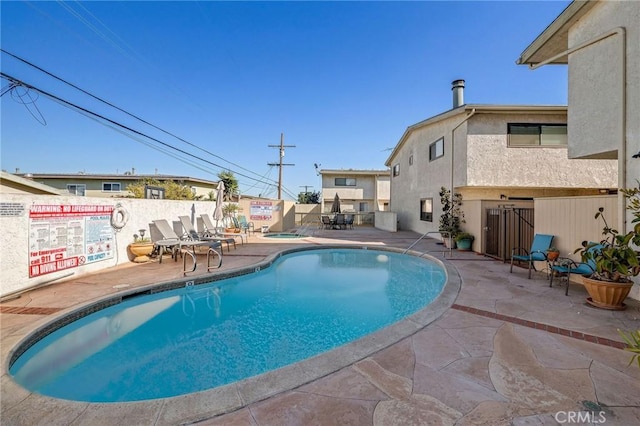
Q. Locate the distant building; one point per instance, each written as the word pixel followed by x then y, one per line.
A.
pixel 360 191
pixel 113 185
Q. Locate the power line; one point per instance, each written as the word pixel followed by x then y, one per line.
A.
pixel 122 110
pixel 113 122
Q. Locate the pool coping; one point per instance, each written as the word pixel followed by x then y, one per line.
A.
pixel 205 404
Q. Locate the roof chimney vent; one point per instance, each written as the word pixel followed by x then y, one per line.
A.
pixel 457 86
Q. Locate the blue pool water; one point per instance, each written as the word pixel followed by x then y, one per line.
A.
pixel 200 337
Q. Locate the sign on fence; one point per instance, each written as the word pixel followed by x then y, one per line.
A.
pixel 68 236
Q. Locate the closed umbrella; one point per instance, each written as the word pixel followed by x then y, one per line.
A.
pixel 335 207
pixel 217 213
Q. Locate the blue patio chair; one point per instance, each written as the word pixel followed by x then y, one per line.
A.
pixel 568 266
pixel 537 252
pixel 247 227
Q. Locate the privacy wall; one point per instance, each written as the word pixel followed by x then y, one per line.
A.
pixel 48 238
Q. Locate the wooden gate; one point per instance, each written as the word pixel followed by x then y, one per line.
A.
pixel 508 228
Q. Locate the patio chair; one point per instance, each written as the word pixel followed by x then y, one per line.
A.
pixel 349 221
pixel 326 222
pixel 537 252
pixel 247 227
pixel 191 233
pixel 211 229
pixel 569 266
pixel 340 221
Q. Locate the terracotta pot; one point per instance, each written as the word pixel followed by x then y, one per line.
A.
pixel 553 255
pixel 141 251
pixel 607 295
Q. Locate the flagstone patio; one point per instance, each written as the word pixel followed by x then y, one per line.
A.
pixel 510 350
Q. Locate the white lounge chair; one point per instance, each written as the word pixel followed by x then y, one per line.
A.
pixel 191 233
pixel 210 229
pixel 172 241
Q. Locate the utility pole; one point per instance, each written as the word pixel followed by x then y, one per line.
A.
pixel 282 146
pixel 306 188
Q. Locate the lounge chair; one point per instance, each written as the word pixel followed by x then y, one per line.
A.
pixel 176 244
pixel 537 252
pixel 191 233
pixel 568 266
pixel 210 228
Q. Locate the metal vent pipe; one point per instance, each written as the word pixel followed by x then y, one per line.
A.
pixel 457 86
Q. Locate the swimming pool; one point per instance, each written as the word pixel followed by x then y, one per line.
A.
pixel 284 235
pixel 204 336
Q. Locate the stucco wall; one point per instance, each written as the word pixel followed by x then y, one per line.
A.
pixel 595 80
pixel 14 240
pixel 387 221
pixel 423 178
pixel 491 162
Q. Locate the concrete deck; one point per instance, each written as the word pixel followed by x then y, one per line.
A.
pixel 509 350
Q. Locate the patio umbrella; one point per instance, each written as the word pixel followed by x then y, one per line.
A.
pixel 217 213
pixel 335 207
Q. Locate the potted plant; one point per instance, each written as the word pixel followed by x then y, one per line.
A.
pixel 617 261
pixel 141 247
pixel 229 210
pixel 552 254
pixel 452 216
pixel 632 339
pixel 464 241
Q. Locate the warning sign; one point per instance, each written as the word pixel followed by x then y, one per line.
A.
pixel 67 236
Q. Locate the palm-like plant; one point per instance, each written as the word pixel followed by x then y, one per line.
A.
pixel 618 259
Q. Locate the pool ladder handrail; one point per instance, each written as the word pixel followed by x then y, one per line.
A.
pixel 423 236
pixel 211 252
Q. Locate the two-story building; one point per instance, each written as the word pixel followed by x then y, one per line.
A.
pixel 494 156
pixel 360 191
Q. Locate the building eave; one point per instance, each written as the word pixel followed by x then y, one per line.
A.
pixel 354 172
pixel 28 183
pixel 555 38
pixel 132 177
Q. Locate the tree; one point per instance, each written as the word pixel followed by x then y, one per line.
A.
pixel 309 197
pixel 230 184
pixel 172 190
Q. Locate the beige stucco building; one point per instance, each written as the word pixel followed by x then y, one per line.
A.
pixel 500 154
pixel 600 42
pixel 360 191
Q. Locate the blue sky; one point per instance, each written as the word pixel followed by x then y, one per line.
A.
pixel 341 80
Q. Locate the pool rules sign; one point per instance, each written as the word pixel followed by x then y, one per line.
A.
pixel 67 236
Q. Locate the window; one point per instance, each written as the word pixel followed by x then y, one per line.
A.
pixel 110 187
pixel 396 170
pixel 345 182
pixel 411 160
pixel 363 207
pixel 76 189
pixel 537 134
pixel 436 149
pixel 426 209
